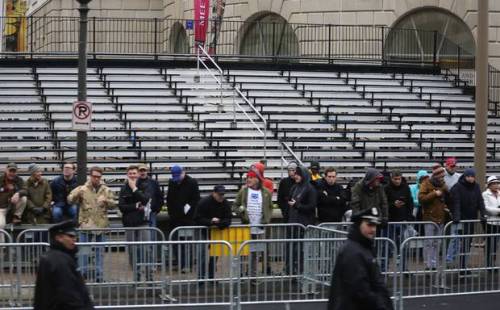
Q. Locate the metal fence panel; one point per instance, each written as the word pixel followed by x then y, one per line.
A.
pixel 18 266
pixel 5 237
pixel 473 271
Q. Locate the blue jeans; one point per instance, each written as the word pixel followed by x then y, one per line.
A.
pixel 396 234
pixel 60 209
pixel 88 253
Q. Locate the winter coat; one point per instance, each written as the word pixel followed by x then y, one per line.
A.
pixel 152 191
pixel 178 195
pixel 357 283
pixel 414 188
pixel 59 285
pixel 434 208
pixel 39 196
pixel 466 199
pixel 331 202
pixel 304 194
pixel 492 206
pixel 61 189
pixel 401 192
pixel 128 202
pixel 284 196
pixel 92 214
pixel 362 198
pixel 240 205
pixel 208 208
pixel 5 195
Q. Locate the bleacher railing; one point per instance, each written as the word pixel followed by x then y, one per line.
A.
pixel 202 55
pixel 277 41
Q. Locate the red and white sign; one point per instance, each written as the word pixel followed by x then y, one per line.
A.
pixel 82 115
pixel 201 12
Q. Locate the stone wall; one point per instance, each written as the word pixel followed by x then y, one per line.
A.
pixel 350 12
pixel 337 12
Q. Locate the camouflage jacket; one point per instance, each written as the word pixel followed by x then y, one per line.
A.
pixel 91 213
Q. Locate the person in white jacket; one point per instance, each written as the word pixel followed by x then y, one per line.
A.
pixel 491 198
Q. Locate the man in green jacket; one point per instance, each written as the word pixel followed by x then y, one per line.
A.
pixel 39 198
pixel 254 205
pixel 12 196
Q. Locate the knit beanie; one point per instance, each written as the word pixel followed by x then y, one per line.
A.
pixel 470 172
pixel 33 168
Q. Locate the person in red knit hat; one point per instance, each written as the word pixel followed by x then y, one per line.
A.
pixel 259 168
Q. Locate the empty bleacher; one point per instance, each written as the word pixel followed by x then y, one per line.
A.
pixel 164 116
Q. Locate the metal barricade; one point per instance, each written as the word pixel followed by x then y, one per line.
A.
pixel 108 234
pixel 136 279
pixel 5 237
pixel 17 280
pixel 316 232
pixel 239 234
pixel 336 225
pixel 304 273
pixel 474 271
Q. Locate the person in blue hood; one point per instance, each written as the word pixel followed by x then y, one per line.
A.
pixel 415 189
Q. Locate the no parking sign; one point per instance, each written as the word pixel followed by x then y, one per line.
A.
pixel 82 115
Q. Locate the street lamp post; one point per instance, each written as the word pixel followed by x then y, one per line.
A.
pixel 81 157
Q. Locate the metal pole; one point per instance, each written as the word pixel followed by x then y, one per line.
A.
pixel 481 115
pixel 81 156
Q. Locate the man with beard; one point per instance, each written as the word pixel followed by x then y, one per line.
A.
pixel 59 285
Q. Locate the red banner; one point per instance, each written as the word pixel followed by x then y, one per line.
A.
pixel 201 12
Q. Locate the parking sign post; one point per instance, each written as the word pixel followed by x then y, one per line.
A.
pixel 81 145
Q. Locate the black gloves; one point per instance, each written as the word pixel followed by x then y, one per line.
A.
pixel 456 222
pixel 483 219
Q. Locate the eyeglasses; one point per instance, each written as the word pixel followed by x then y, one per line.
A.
pixel 96 176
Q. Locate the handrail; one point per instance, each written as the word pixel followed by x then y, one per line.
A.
pixel 293 153
pixel 238 91
pixel 211 59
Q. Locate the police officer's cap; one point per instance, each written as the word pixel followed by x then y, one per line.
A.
pixel 67 227
pixel 372 215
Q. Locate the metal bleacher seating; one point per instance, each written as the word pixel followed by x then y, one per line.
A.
pixel 163 116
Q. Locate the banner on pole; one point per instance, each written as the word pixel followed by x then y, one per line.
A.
pixel 201 12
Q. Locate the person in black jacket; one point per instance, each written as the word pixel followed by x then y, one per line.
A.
pixel 467 200
pixel 213 210
pixel 61 187
pixel 302 203
pixel 400 205
pixel 59 285
pixel 183 196
pixel 301 210
pixel 331 198
pixel 152 191
pixel 133 204
pixel 284 190
pixel 357 283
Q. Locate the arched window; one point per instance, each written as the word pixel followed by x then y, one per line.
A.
pixel 268 34
pixel 413 36
pixel 178 39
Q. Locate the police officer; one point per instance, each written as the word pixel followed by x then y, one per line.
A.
pixel 59 286
pixel 356 281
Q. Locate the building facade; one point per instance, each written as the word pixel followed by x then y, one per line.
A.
pixel 257 26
